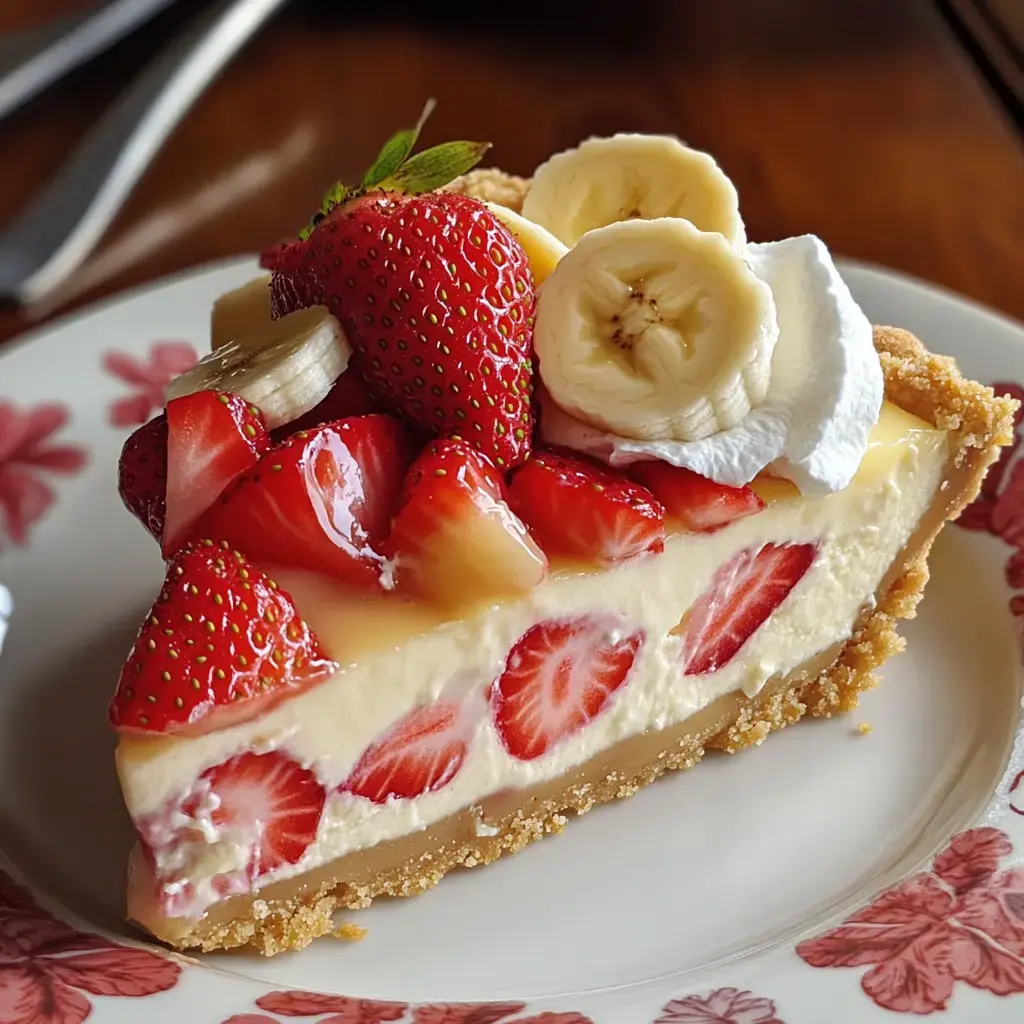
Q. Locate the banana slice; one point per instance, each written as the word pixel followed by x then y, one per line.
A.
pixel 284 367
pixel 241 314
pixel 542 248
pixel 627 177
pixel 652 329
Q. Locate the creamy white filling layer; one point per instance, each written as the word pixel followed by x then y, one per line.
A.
pixel 859 532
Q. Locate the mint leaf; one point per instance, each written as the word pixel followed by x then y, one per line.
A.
pixel 396 149
pixel 435 167
pixel 335 197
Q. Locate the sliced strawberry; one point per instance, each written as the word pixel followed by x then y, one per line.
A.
pixel 322 500
pixel 420 753
pixel 221 644
pixel 142 475
pixel 454 539
pixel 560 675
pixel 270 800
pixel 576 508
pixel 212 439
pixel 743 593
pixel 696 503
pixel 348 397
pixel 381 448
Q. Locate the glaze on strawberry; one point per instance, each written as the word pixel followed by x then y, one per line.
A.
pixel 221 644
pixel 693 502
pixel 581 510
pixel 454 538
pixel 320 500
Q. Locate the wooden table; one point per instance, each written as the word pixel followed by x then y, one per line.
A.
pixel 862 121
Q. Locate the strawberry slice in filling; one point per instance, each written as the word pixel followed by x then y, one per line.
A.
pixel 246 817
pixel 422 752
pixel 743 593
pixel 560 675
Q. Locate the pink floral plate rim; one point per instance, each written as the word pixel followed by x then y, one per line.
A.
pixel 947 940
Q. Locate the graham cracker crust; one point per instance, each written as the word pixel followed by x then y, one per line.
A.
pixel 290 914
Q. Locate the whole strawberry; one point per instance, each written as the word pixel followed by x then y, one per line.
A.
pixel 221 644
pixel 435 295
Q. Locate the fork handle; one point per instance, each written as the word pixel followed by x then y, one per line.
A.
pixel 51 237
pixel 35 59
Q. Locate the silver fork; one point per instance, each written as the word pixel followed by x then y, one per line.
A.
pixel 32 60
pixel 60 226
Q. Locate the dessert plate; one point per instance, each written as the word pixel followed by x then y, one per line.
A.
pixel 853 870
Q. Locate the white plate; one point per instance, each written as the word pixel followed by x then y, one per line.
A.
pixel 718 896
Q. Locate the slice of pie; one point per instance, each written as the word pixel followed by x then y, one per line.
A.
pixel 406 627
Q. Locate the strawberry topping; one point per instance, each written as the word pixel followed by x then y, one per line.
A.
pixel 420 753
pixel 268 799
pixel 436 298
pixel 560 675
pixel 693 501
pixel 576 508
pixel 321 500
pixel 212 438
pixel 454 537
pixel 142 475
pixel 743 593
pixel 221 644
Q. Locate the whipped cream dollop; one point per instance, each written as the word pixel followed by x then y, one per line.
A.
pixel 823 397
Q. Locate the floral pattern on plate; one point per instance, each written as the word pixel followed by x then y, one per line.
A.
pixel 29 456
pixel 343 1010
pixel 961 921
pixel 999 508
pixel 147 377
pixel 48 970
pixel 1017 794
pixel 723 1006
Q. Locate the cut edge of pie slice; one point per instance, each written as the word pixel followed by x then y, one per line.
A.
pixel 290 912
